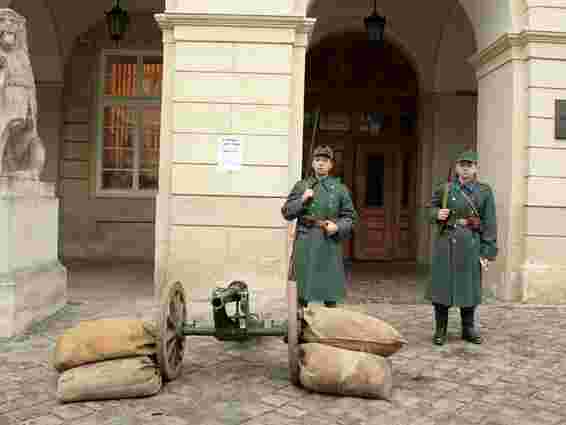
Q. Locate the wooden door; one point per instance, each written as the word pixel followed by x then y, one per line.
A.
pixel 374 195
pixel 384 195
pixel 404 211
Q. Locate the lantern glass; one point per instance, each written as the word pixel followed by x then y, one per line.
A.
pixel 375 26
pixel 117 21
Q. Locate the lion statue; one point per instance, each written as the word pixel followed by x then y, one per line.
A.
pixel 22 152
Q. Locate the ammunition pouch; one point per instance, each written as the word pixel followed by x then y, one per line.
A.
pixel 472 222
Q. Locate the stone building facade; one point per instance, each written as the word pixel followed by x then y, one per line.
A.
pixel 132 131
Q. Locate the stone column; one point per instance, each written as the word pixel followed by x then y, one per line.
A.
pixel 544 227
pixel 520 77
pixel 502 136
pixel 425 175
pixel 162 200
pixel 239 76
pixel 424 189
pixel 298 102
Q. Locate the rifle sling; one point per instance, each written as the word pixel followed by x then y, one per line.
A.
pixel 470 203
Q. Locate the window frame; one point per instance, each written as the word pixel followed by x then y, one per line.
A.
pixel 138 102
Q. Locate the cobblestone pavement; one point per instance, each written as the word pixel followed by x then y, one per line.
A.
pixel 517 376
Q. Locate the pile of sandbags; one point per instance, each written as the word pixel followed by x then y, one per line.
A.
pixel 107 359
pixel 345 352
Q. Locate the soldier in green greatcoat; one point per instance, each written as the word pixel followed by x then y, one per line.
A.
pixel 467 241
pixel 325 216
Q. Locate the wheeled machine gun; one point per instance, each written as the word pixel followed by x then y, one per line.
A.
pixel 242 325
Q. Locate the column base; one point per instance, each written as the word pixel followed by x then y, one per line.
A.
pixel 29 296
pixel 544 284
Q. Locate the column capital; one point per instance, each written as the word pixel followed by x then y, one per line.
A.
pixel 302 26
pixel 512 46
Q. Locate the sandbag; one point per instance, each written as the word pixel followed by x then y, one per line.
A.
pixel 104 339
pixel 327 369
pixel 350 330
pixel 110 379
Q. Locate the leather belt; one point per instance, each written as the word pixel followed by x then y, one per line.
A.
pixel 311 222
pixel 460 222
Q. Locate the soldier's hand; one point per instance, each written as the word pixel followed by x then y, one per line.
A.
pixel 443 214
pixel 309 193
pixel 331 227
pixel 484 263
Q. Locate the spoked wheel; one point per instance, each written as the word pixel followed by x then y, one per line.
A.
pixel 171 341
pixel 293 332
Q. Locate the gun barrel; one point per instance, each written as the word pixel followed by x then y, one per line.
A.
pixel 225 296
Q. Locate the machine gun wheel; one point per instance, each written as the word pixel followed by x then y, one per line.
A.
pixel 293 332
pixel 171 341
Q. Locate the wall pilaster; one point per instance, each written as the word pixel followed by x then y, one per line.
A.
pixel 238 76
pixel 505 73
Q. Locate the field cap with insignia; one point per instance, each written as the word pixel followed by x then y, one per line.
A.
pixel 323 150
pixel 469 156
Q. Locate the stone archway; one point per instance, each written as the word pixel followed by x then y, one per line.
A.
pixel 347 79
pixel 447 85
pixel 488 18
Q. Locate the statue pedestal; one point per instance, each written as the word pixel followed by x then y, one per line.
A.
pixel 33 283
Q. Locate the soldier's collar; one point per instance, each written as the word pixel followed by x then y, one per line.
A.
pixel 471 185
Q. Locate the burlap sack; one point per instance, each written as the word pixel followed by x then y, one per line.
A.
pixel 110 379
pixel 350 330
pixel 327 369
pixel 105 339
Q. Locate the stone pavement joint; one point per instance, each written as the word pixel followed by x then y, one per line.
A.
pixel 515 377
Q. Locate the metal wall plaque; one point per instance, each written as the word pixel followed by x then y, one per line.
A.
pixel 560 119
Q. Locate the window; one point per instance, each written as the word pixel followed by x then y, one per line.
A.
pixel 129 115
pixel 375 181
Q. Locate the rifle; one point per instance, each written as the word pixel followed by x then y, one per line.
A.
pixel 444 204
pixel 313 137
pixel 291 272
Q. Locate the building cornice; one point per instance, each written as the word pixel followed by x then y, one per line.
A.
pixel 512 41
pixel 300 24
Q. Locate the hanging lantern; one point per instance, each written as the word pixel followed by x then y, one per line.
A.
pixel 375 25
pixel 117 21
pixel 376 121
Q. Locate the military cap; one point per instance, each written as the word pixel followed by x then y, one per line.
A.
pixel 468 156
pixel 323 150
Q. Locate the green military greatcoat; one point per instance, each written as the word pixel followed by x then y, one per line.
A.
pixel 456 269
pixel 317 262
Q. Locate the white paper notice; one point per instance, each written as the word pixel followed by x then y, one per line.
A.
pixel 230 153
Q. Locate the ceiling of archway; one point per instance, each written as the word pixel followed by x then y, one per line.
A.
pixel 76 17
pixel 348 70
pixel 419 27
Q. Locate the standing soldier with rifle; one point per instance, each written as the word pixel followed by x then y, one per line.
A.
pixel 464 210
pixel 326 215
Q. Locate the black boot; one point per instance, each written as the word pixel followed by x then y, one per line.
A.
pixel 441 316
pixel 469 331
